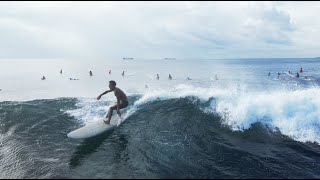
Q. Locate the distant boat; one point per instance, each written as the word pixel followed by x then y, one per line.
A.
pixel 127 58
pixel 170 58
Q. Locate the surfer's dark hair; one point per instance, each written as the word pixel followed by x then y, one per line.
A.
pixel 113 82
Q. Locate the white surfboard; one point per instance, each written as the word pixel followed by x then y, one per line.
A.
pixel 291 75
pixel 93 128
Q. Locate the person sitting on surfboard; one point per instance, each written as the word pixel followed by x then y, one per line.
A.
pixel 122 100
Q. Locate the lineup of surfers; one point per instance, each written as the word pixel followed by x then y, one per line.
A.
pixel 91 74
pixel 289 72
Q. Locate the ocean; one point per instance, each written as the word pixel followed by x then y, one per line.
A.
pixel 231 120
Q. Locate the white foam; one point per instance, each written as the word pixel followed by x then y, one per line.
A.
pixel 295 113
pixel 89 110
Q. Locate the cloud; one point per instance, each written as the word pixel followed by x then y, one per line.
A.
pixel 98 30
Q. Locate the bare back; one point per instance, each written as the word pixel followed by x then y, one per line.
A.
pixel 120 95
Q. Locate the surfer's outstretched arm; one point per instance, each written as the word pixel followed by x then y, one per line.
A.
pixel 103 94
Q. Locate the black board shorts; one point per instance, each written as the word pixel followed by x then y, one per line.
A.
pixel 123 104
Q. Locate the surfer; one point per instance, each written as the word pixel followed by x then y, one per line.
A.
pixel 43 78
pixel 122 73
pixel 90 73
pixel 297 75
pixel 122 100
pixel 61 71
pixel 269 74
pixel 110 71
pixel 170 77
pixel 157 76
pixel 301 70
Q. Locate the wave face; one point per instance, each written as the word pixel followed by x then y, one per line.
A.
pixel 188 132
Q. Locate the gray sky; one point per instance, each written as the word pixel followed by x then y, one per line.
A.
pixel 97 30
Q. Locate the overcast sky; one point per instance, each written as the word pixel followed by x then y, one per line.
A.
pixel 98 30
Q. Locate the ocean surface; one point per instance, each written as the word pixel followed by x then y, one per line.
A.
pixel 231 120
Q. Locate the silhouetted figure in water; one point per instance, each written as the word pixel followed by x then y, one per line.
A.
pixel 110 71
pixel 43 78
pixel 157 76
pixel 297 75
pixel 61 71
pixel 122 73
pixel 269 74
pixel 188 78
pixel 301 70
pixel 90 73
pixel 170 77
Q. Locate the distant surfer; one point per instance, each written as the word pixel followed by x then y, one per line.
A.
pixel 297 75
pixel 301 70
pixel 122 100
pixel 61 71
pixel 157 76
pixel 170 77
pixel 122 73
pixel 43 78
pixel 188 78
pixel 269 74
pixel 110 71
pixel 90 73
